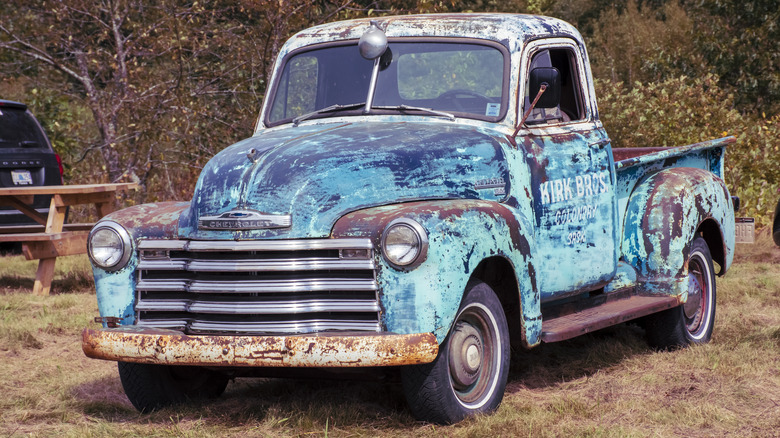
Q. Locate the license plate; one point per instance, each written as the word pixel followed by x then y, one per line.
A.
pixel 21 177
pixel 745 231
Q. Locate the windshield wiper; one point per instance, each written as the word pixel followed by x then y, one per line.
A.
pixel 327 109
pixel 418 108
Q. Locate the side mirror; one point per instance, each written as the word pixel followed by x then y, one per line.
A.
pixel 373 42
pixel 551 97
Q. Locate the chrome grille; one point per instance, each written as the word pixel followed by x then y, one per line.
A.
pixel 257 287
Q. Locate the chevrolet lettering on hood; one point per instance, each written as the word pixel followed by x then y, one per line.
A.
pixel 244 220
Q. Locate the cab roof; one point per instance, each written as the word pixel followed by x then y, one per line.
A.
pixel 510 30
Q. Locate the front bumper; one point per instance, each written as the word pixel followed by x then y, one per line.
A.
pixel 170 347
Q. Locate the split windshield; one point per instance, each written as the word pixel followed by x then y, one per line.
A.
pixel 464 79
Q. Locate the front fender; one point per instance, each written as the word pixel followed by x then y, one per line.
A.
pixel 116 290
pixel 461 234
pixel 663 215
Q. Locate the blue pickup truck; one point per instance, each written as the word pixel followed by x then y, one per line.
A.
pixel 421 192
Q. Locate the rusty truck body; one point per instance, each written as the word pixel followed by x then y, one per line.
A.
pixel 420 192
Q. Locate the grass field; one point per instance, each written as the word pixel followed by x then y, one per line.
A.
pixel 606 384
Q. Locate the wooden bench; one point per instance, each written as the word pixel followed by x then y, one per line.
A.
pixel 6 230
pixel 51 237
pixel 36 246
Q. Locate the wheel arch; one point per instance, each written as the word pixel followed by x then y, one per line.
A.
pixel 713 235
pixel 498 273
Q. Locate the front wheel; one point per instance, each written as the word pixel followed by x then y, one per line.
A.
pixel 692 322
pixel 151 387
pixel 469 375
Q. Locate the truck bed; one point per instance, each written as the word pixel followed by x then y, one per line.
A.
pixel 629 157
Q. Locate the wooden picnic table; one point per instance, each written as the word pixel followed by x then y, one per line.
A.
pixel 52 237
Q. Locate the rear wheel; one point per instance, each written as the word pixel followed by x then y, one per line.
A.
pixel 692 322
pixel 151 387
pixel 469 375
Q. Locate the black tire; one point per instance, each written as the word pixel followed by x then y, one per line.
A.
pixel 692 322
pixel 151 387
pixel 456 386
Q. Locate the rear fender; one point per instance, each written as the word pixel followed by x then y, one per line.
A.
pixel 461 234
pixel 664 213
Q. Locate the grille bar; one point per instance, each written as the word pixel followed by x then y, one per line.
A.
pixel 254 307
pixel 256 265
pixel 257 287
pixel 255 245
pixel 303 326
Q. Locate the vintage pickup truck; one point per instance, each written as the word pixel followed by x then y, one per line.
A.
pixel 420 192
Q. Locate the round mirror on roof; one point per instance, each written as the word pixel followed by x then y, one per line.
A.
pixel 373 42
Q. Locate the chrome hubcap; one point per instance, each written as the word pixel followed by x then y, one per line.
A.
pixel 693 304
pixel 698 293
pixel 465 355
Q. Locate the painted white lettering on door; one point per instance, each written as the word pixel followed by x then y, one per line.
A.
pixel 581 186
pixel 575 215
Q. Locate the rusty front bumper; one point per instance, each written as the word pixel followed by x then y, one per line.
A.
pixel 159 346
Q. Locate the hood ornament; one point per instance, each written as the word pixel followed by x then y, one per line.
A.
pixel 244 219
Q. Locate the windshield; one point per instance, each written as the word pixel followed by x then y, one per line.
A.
pixel 462 78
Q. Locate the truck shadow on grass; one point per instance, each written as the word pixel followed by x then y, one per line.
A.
pixel 375 401
pixel 551 364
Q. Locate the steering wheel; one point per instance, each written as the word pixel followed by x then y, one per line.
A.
pixel 453 96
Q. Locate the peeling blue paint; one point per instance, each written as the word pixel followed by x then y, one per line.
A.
pixel 301 174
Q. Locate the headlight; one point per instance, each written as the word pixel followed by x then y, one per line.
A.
pixel 404 244
pixel 109 246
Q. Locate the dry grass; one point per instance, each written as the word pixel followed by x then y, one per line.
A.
pixel 606 384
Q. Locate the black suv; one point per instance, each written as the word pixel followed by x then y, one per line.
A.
pixel 26 159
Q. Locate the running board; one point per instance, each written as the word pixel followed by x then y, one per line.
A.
pixel 569 323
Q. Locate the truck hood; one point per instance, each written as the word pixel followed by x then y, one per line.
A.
pixel 316 174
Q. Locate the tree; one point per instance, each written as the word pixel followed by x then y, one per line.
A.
pixel 741 41
pixel 98 48
pixel 166 83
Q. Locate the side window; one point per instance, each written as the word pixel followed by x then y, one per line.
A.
pixel 572 106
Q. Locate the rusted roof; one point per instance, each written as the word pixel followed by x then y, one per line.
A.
pixel 508 29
